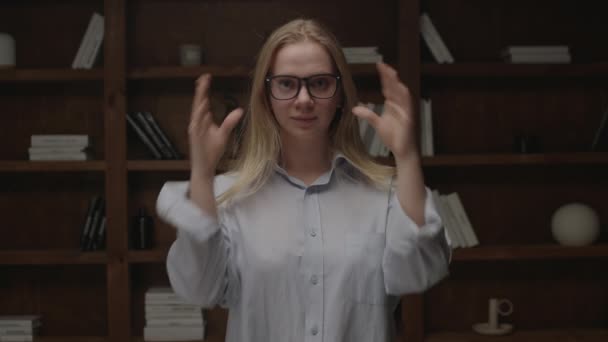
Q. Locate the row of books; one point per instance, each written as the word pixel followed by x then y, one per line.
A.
pixel 169 318
pixel 19 328
pixel 149 132
pixel 90 45
pixel 93 233
pixel 59 147
pixel 362 54
pixel 455 219
pixel 510 54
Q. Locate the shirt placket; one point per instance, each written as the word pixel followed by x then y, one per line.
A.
pixel 315 282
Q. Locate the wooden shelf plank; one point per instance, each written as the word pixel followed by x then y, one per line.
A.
pixel 70 339
pixel 50 75
pixel 574 158
pixel 575 335
pixel 158 165
pixel 507 70
pixel 51 166
pixel 236 71
pixel 149 256
pixel 522 252
pixel 51 257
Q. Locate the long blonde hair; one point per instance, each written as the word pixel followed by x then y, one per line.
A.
pixel 260 146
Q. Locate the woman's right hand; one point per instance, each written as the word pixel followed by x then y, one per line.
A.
pixel 207 140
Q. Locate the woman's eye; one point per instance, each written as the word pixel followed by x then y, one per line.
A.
pixel 319 83
pixel 286 83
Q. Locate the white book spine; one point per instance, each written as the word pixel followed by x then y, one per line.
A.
pixel 97 39
pixel 78 59
pixel 430 32
pixel 463 218
pixel 453 222
pixel 40 140
pixel 16 338
pixel 164 322
pixel 55 149
pixel 442 213
pixel 59 156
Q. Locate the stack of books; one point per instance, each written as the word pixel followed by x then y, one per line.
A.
pixel 362 55
pixel 434 41
pixel 19 328
pixel 93 233
pixel 455 219
pixel 537 54
pixel 59 147
pixel 168 318
pixel 150 133
pixel 90 46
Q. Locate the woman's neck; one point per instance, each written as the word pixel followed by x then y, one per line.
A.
pixel 306 160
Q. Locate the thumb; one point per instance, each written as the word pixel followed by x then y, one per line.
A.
pixel 231 120
pixel 366 114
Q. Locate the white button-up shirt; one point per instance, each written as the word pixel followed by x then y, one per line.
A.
pixel 294 263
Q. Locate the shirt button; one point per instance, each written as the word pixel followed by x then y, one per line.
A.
pixel 313 233
pixel 314 280
pixel 314 330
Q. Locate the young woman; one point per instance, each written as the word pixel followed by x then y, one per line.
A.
pixel 307 239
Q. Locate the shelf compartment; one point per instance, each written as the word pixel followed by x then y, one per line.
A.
pixel 523 252
pixel 575 335
pixel 50 75
pixel 52 166
pixel 51 257
pixel 507 70
pixel 575 158
pixel 158 165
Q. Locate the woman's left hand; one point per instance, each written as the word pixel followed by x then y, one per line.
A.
pixel 395 126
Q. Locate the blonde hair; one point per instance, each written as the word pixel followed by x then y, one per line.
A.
pixel 260 145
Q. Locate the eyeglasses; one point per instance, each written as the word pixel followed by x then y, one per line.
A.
pixel 284 87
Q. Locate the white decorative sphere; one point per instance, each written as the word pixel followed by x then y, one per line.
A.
pixel 575 224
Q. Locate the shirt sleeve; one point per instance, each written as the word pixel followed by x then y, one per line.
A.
pixel 198 263
pixel 415 258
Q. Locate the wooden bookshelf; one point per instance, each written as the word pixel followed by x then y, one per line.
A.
pixel 51 257
pixel 578 335
pixel 523 252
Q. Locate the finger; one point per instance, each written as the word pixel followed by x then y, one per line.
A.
pixel 202 90
pixel 367 115
pixel 231 121
pixel 395 110
pixel 392 87
pixel 199 113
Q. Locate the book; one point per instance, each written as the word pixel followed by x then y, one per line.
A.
pixel 92 48
pixel 86 38
pixel 84 233
pixel 600 140
pixel 427 147
pixel 100 213
pixel 434 41
pixel 56 140
pixel 444 218
pixel 463 219
pixel 60 156
pixel 184 333
pixel 156 128
pixel 143 137
pixel 535 49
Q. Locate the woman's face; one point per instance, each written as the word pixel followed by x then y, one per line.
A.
pixel 303 116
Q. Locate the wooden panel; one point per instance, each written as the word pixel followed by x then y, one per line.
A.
pixel 545 295
pixel 47 33
pixel 61 295
pixel 49 109
pixel 45 212
pixel 514 205
pixel 228 36
pixel 477 30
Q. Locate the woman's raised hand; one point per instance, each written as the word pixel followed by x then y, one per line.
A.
pixel 207 140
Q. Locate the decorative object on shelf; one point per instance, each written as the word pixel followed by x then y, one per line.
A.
pixel 190 54
pixel 496 307
pixel 7 50
pixel 575 224
pixel 526 144
pixel 142 231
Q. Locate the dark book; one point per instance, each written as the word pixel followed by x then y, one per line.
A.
pixel 154 137
pixel 100 240
pixel 600 141
pixel 97 218
pixel 142 136
pixel 156 128
pixel 93 204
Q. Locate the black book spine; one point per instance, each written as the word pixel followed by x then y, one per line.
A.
pixel 148 116
pixel 164 150
pixel 97 218
pixel 142 136
pixel 93 204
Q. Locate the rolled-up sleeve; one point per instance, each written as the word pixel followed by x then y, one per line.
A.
pixel 415 258
pixel 198 263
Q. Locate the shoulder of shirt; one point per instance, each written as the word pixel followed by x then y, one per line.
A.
pixel 221 184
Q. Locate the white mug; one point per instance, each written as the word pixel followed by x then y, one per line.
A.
pixel 498 306
pixel 190 54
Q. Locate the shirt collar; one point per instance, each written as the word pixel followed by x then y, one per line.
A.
pixel 339 161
